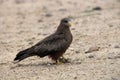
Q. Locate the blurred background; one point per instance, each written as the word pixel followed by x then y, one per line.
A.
pixel 95 50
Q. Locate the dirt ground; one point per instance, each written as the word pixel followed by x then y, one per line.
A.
pixel 95 28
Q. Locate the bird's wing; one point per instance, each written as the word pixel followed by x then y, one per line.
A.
pixel 51 43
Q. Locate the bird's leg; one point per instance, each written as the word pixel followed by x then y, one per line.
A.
pixel 58 61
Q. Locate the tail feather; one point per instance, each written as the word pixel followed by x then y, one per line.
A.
pixel 24 54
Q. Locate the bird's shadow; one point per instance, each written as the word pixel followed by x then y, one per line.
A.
pixel 47 64
pixel 31 65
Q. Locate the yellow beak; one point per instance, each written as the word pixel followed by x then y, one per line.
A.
pixel 69 24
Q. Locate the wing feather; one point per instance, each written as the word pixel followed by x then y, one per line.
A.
pixel 50 44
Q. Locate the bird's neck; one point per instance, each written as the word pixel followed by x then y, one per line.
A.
pixel 63 29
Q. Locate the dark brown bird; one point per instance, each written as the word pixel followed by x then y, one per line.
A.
pixel 53 46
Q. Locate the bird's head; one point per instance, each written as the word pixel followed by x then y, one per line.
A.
pixel 66 22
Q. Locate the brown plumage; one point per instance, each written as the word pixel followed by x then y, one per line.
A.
pixel 53 46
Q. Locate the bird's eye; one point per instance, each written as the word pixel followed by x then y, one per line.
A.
pixel 65 21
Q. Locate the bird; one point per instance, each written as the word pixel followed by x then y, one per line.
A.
pixel 53 46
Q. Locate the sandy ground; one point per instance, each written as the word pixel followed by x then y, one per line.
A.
pixel 25 22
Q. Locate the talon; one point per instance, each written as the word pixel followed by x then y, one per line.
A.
pixel 63 59
pixel 58 62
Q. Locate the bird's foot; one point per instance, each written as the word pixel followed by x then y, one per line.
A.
pixel 58 62
pixel 64 60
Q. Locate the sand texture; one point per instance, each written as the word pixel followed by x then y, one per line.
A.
pixel 94 52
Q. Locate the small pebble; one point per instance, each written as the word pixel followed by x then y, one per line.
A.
pixel 30 43
pixel 39 34
pixel 78 62
pixel 44 34
pixel 48 15
pixel 75 77
pixel 90 56
pixel 117 46
pixel 62 9
pixel 92 49
pixel 97 8
pixel 19 1
pixel 77 52
pixel 48 64
pixel 40 20
pixel 71 49
pixel 113 56
pixel 115 78
pixel 110 25
pixel 72 28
